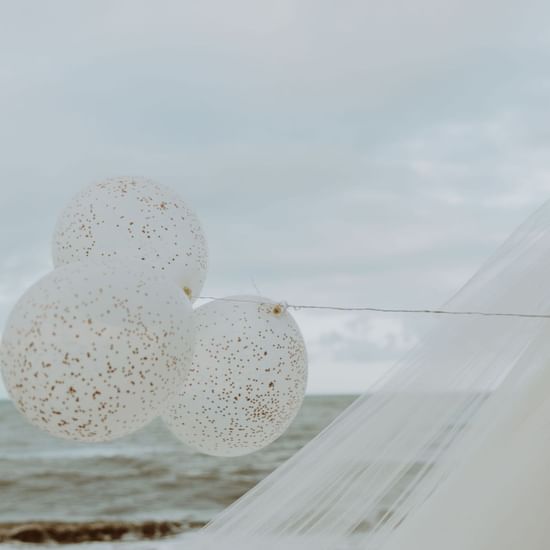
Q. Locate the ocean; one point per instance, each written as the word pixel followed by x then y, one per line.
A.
pixel 142 487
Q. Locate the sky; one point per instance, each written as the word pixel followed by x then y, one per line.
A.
pixel 342 153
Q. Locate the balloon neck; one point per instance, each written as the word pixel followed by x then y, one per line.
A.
pixel 279 309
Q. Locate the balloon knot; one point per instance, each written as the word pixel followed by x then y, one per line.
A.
pixel 279 309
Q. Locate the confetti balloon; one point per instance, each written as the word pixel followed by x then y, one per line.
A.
pixel 136 218
pixel 247 379
pixel 93 350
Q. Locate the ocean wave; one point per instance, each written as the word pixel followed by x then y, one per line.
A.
pixel 125 484
pixel 83 453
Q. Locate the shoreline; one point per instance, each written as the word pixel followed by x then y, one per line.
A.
pixel 68 532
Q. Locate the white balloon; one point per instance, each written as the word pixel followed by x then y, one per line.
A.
pixel 135 218
pixel 93 350
pixel 247 380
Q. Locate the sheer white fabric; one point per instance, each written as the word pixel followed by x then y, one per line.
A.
pixel 449 450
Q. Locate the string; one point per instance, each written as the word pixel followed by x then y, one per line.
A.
pixel 423 311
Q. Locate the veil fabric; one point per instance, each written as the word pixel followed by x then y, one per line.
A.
pixel 447 452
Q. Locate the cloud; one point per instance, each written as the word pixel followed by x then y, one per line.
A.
pixel 19 271
pixel 360 154
pixel 351 351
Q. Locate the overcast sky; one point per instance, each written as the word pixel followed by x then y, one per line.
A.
pixel 349 153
